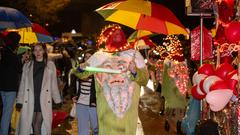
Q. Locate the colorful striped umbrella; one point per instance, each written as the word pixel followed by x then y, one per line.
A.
pixel 34 34
pixel 138 34
pixel 143 15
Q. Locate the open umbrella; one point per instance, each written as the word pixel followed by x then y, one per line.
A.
pixel 143 15
pixel 138 34
pixel 34 34
pixel 12 18
pixel 29 37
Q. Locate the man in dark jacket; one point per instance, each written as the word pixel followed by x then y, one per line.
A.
pixel 10 71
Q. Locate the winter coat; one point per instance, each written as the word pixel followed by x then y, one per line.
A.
pixel 10 71
pixel 25 97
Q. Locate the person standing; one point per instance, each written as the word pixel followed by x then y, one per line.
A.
pixel 37 89
pixel 10 71
pixel 86 101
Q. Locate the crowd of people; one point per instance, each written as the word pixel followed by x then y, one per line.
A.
pixel 36 78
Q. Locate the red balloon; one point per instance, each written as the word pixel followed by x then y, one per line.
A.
pixel 226 59
pixel 232 32
pixel 231 74
pixel 219 85
pixel 226 10
pixel 201 86
pixel 220 36
pixel 232 85
pixel 195 94
pixel 223 69
pixel 206 69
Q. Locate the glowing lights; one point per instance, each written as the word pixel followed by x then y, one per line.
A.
pixel 106 33
pixel 179 72
pixel 171 48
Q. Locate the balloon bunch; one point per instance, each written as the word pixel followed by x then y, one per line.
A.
pixel 228 27
pixel 216 86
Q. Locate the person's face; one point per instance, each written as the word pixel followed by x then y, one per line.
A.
pixel 38 52
pixel 87 56
pixel 117 37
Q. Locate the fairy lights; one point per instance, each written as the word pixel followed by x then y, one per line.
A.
pixel 179 72
pixel 106 33
pixel 171 48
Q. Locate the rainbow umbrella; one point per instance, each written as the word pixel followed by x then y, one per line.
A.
pixel 34 34
pixel 142 15
pixel 138 34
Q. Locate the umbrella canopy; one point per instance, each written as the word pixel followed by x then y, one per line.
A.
pixel 143 15
pixel 39 29
pixel 28 37
pixel 12 18
pixel 138 34
pixel 34 34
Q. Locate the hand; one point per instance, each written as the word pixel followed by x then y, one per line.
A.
pixel 82 65
pixel 132 67
pixel 74 99
pixel 18 107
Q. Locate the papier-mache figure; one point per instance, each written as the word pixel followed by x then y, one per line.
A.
pixel 119 72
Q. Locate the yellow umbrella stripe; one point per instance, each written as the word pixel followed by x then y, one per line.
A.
pixel 175 29
pixel 125 17
pixel 28 37
pixel 138 6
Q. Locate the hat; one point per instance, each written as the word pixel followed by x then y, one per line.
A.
pixel 112 39
pixel 23 49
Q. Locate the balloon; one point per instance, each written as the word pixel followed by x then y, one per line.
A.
pixel 226 10
pixel 232 32
pixel 232 85
pixel 199 77
pixel 232 75
pixel 200 86
pixel 226 59
pixel 195 94
pixel 199 91
pixel 219 85
pixel 220 36
pixel 209 81
pixel 206 69
pixel 223 69
pixel 218 99
pixel 194 78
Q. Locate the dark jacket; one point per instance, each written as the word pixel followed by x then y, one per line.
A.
pixel 92 93
pixel 10 70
